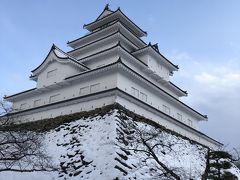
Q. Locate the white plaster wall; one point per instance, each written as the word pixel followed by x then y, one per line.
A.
pixel 69 109
pixel 63 70
pixel 107 81
pixel 155 117
pixel 140 70
pixel 100 61
pixel 155 65
pixel 154 97
pixel 159 68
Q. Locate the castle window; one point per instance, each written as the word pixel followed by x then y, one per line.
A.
pixel 84 90
pixel 166 109
pixel 51 73
pixel 143 96
pixel 135 92
pixel 179 117
pixel 37 102
pixel 54 98
pixel 95 87
pixel 23 106
pixel 189 122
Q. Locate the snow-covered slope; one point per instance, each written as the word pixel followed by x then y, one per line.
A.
pixel 109 147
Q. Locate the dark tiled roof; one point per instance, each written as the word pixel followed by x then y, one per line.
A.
pixel 98 40
pixel 113 23
pixel 118 10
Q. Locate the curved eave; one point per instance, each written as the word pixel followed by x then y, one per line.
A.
pixel 71 58
pixel 120 37
pixel 9 98
pixel 44 59
pixel 67 58
pixel 184 93
pixel 119 15
pixel 113 23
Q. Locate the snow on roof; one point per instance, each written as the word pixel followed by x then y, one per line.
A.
pixel 59 53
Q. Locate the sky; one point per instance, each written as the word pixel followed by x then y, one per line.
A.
pixel 202 37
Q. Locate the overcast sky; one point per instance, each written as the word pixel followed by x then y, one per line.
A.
pixel 202 37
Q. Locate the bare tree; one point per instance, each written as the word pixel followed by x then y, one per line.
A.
pixel 148 141
pixel 235 152
pixel 5 109
pixel 20 150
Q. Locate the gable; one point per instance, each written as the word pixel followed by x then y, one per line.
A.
pixel 56 67
pixel 55 72
pixel 56 54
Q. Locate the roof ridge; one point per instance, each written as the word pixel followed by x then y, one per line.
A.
pixel 118 10
pixel 113 23
pixel 70 57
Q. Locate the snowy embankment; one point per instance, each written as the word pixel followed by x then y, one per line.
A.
pixel 107 147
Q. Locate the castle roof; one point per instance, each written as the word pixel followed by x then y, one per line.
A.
pixel 108 16
pixel 56 53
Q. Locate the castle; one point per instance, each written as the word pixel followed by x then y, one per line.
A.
pixel 111 64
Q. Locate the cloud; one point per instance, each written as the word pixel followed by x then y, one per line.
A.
pixel 220 80
pixel 205 78
pixel 213 89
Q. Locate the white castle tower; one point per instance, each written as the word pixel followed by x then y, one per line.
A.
pixel 110 64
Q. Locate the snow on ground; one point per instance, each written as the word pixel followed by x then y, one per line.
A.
pixel 236 171
pixel 28 176
pixel 101 148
